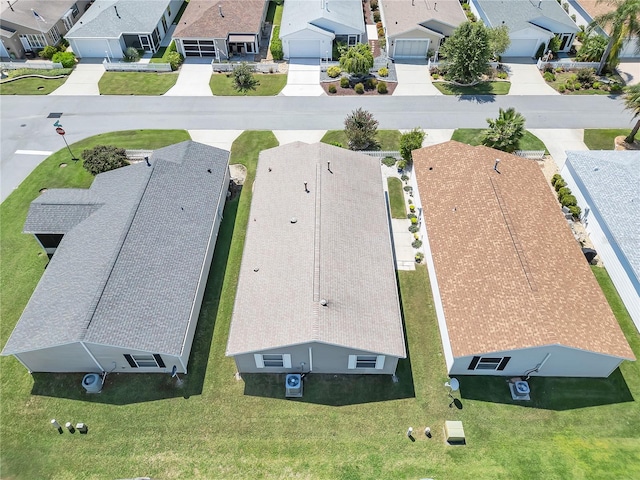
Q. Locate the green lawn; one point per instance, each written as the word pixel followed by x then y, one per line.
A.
pixel 346 427
pixel 602 138
pixel 274 12
pixel 270 84
pixel 136 83
pixel 483 88
pixel 387 140
pixel 396 198
pixel 31 86
pixel 473 136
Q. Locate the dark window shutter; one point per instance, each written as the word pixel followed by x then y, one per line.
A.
pixel 474 362
pixel 129 359
pixel 503 363
pixel 159 360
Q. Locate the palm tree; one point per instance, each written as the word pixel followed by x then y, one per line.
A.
pixel 623 22
pixel 632 102
pixel 505 132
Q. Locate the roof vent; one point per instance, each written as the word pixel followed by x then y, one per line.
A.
pixel 294 220
pixel 220 10
pixel 324 302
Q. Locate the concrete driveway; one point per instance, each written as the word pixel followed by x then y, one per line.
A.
pixel 630 71
pixel 559 140
pixel 303 79
pixel 526 79
pixel 193 79
pixel 414 79
pixel 83 80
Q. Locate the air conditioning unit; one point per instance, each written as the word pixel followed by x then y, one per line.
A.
pixel 293 385
pixel 92 383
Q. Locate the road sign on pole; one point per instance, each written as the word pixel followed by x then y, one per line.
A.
pixel 60 131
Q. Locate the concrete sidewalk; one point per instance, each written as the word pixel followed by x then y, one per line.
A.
pixel 526 79
pixel 303 79
pixel 83 80
pixel 193 79
pixel 414 79
pixel 558 141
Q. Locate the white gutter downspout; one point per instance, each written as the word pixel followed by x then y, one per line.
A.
pixel 310 360
pixel 92 357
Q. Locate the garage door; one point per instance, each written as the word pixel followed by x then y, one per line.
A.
pixel 522 48
pixel 199 48
pixel 92 48
pixel 304 49
pixel 411 48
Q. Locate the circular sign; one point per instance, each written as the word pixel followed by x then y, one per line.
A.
pixel 60 131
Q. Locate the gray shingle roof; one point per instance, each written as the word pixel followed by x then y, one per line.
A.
pixel 298 13
pixel 58 211
pixel 21 14
pixel 135 16
pixel 612 181
pixel 339 249
pixel 127 275
pixel 521 14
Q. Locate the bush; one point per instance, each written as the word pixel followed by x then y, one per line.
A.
pixel 389 161
pixel 555 178
pixel 359 88
pixel 344 82
pixel 276 44
pixel 549 77
pixel 243 78
pixel 408 188
pixel 435 76
pixel 371 83
pixel 562 88
pixel 131 55
pixel 383 72
pixel 378 25
pixel 416 243
pixel 402 165
pixel 48 52
pixel 596 85
pixel 376 16
pixel 103 158
pixel 334 71
pixel 67 59
pixel 174 59
pixel 577 85
pixel 373 4
pixel 575 210
pixel 409 142
pixel 413 228
pixel 502 75
pixel 337 144
pixel 380 32
pixel 586 76
pixel 419 257
pixel 540 51
pixel 382 87
pixel 564 191
pixel 568 201
pixel 63 45
pixel 405 178
pixel 382 43
pixel 615 88
pixel 559 184
pixel 332 89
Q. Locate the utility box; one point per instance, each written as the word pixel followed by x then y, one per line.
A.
pixel 293 385
pixel 82 428
pixel 454 433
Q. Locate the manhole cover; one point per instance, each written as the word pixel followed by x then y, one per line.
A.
pixel 62 165
pixel 40 88
pixel 42 190
pixel 54 115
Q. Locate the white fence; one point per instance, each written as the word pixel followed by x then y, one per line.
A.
pixel 430 64
pixel 30 65
pixel 569 65
pixel 136 67
pixel 532 154
pixel 257 67
pixel 138 155
pixel 381 153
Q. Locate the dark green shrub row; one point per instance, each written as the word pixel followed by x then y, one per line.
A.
pixel 565 197
pixel 276 44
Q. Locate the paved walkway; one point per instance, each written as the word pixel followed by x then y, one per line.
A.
pixel 630 71
pixel 193 79
pixel 559 140
pixel 414 79
pixel 303 79
pixel 83 80
pixel 526 80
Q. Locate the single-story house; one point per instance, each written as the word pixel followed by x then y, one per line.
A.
pixel 31 25
pixel 587 10
pixel 413 28
pixel 607 187
pixel 530 22
pixel 317 288
pixel 513 292
pixel 309 27
pixel 220 29
pixel 111 26
pixel 131 256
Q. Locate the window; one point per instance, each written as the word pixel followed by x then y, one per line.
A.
pixel 366 361
pixel 273 360
pixel 169 11
pixel 352 40
pixel 145 361
pixel 31 41
pixel 488 363
pixel 74 10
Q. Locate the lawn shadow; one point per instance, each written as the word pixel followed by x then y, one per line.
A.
pixel 550 393
pixel 129 388
pixel 477 98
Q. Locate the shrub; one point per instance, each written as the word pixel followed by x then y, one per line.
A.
pixel 382 43
pixel 408 188
pixel 103 158
pixel 383 72
pixel 382 87
pixel 174 59
pixel 376 16
pixel 380 32
pixel 575 210
pixel 540 51
pixel 131 55
pixel 414 220
pixel 389 161
pixel 371 83
pixel 63 45
pixel 562 88
pixel 276 44
pixel 549 77
pixel 466 7
pixel 344 82
pixel 596 85
pixel 373 4
pixel 568 201
pixel 404 178
pixel 577 85
pixel 413 228
pixel 334 71
pixel 615 88
pixel 559 184
pixel 555 178
pixel 378 25
pixel 416 243
pixel 337 144
pixel 502 75
pixel 48 52
pixel 586 76
pixel 402 165
pixel 332 89
pixel 357 60
pixel 412 216
pixel 419 257
pixel 359 88
pixel 67 59
pixel 435 76
pixel 409 142
pixel 361 128
pixel 564 191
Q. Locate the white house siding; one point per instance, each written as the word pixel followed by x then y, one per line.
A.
pixel 69 358
pixel 328 359
pixel 607 249
pixel 112 358
pixel 561 362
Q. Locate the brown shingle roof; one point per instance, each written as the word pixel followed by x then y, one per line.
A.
pixel 509 270
pixel 403 15
pixel 596 8
pixel 338 249
pixel 201 18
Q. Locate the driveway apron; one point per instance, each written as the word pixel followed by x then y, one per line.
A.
pixel 526 79
pixel 558 141
pixel 414 79
pixel 83 80
pixel 303 79
pixel 193 79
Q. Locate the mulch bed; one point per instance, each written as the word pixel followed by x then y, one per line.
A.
pixel 350 91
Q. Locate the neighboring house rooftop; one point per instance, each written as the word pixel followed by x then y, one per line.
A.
pixel 126 275
pixel 509 271
pixel 522 14
pixel 339 249
pixel 405 15
pixel 20 12
pixel 112 18
pixel 203 18
pixel 596 8
pixel 298 14
pixel 611 179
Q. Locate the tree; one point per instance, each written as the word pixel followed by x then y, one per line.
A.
pixel 504 132
pixel 67 59
pixel 360 128
pixel 409 142
pixel 467 52
pixel 243 79
pixel 621 23
pixel 499 40
pixel 592 49
pixel 632 102
pixel 357 60
pixel 103 158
